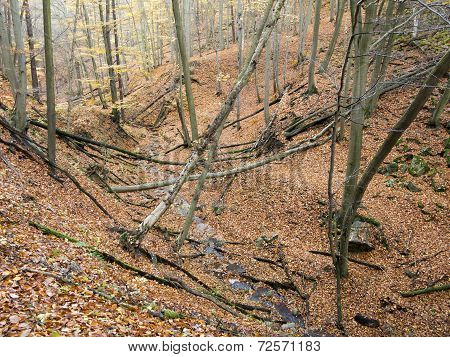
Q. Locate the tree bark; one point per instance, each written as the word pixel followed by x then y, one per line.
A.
pixel 33 66
pixel 397 131
pixel 20 113
pixel 312 89
pixel 186 70
pixel 50 82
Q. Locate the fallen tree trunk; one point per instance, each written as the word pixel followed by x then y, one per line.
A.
pixel 149 186
pixel 82 139
pixel 431 289
pixel 172 282
pixel 34 146
pixel 273 102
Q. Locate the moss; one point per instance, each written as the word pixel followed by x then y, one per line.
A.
pixel 172 315
pixel 368 219
pixel 418 166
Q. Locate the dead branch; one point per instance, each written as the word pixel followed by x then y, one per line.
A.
pixel 431 289
pixel 353 260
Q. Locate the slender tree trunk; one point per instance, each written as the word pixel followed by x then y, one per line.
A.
pixel 276 61
pixel 357 118
pixel 106 29
pixel 94 63
pixel 6 54
pixel 332 10
pixel 440 107
pixel 267 84
pixel 71 65
pixel 20 114
pixel 50 82
pixel 382 60
pixel 334 38
pixel 118 63
pixel 186 69
pixel 233 30
pixel 439 71
pixel 33 66
pixel 186 20
pixel 221 43
pixel 145 34
pixel 304 21
pixel 240 54
pixel 312 89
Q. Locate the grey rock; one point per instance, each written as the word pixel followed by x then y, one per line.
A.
pixel 359 238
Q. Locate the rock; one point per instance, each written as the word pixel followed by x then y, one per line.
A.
pixel 235 268
pixel 411 187
pixel 288 326
pixel 288 315
pixel 263 292
pixel 265 240
pixel 366 321
pixel 426 151
pixel 238 285
pixel 388 169
pixel 359 238
pixel 438 184
pixel 418 166
pixel 390 182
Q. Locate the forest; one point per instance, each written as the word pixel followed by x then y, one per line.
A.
pixel 224 168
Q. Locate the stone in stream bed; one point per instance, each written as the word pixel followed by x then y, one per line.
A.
pixel 212 246
pixel 235 268
pixel 288 315
pixel 263 292
pixel 239 285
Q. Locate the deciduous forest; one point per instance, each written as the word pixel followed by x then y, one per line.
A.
pixel 224 167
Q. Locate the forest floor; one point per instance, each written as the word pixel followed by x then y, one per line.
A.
pixel 253 250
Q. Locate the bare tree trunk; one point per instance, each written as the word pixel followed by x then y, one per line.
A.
pixel 20 113
pixel 382 60
pixel 439 71
pixel 106 29
pixel 334 38
pixel 71 64
pixel 6 54
pixel 312 89
pixel 186 21
pixel 221 43
pixel 186 70
pixel 50 82
pixel 240 54
pixel 94 63
pixel 118 63
pixel 332 10
pixel 33 66
pixel 363 36
pixel 440 107
pixel 276 61
pixel 267 84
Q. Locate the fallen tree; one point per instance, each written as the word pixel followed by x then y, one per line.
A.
pixel 305 145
